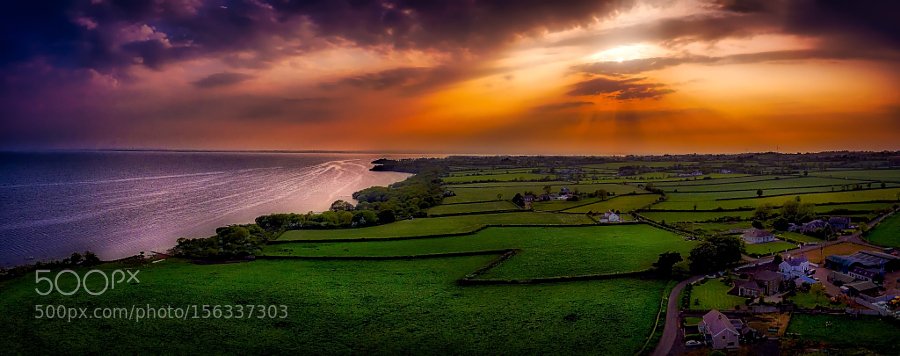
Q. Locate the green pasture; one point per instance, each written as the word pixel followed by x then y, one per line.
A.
pixel 769 247
pixel 817 198
pixel 437 225
pixel 624 203
pixel 449 209
pixel 847 332
pixel 339 307
pixel 694 216
pixel 546 251
pixel 886 233
pixel 483 193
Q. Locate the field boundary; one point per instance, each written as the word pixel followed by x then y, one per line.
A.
pixel 385 258
pixel 809 193
pixel 453 234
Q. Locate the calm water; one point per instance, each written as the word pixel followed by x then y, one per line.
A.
pixel 120 203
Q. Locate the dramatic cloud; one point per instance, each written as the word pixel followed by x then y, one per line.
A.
pixel 221 79
pixel 562 106
pixel 635 66
pixel 620 89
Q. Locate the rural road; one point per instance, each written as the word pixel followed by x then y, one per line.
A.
pixel 670 332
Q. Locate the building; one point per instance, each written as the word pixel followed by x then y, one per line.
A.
pixel 839 279
pixel 610 217
pixel 719 331
pixel 862 273
pixel 760 283
pixel 861 287
pixel 757 236
pixel 839 222
pixel 868 260
pixel 794 266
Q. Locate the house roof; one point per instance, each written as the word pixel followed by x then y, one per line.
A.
pixel 766 275
pixel 716 323
pixel 796 260
pixel 756 233
pixel 840 277
pixel 864 258
pixel 747 285
pixel 862 286
pixel 864 272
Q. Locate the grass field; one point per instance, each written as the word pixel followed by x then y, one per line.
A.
pixel 865 332
pixel 546 251
pixel 439 225
pixel 776 185
pixel 876 175
pixel 886 233
pixel 811 300
pixel 695 216
pixel 818 255
pixel 557 205
pixel 713 294
pixel 623 203
pixel 836 197
pixel 447 209
pixel 797 237
pixel 489 192
pixel 714 227
pixel 341 307
pixel 769 247
pixel 500 177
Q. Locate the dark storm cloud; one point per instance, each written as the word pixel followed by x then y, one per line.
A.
pixel 414 80
pixel 620 89
pixel 222 79
pixel 106 35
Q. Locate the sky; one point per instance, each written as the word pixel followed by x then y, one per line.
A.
pixel 466 76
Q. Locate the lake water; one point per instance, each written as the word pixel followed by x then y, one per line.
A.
pixel 120 203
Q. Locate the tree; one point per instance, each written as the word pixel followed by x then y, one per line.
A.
pixel 602 194
pixel 780 224
pixel 757 224
pixel 340 205
pixel 90 259
pixel 499 196
pixel 519 200
pixel 386 216
pixel 764 211
pixel 777 259
pixel 716 253
pixel 797 212
pixel 547 189
pixel 759 192
pixel 76 258
pixel 663 266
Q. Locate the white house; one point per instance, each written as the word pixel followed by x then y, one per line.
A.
pixel 757 236
pixel 794 266
pixel 610 217
pixel 720 331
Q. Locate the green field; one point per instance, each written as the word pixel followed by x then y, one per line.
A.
pixel 340 307
pixel 499 177
pixel 875 175
pixel 694 216
pixel 886 233
pixel 776 186
pixel 714 227
pixel 437 226
pixel 546 251
pixel 489 192
pixel 797 237
pixel 769 247
pixel 713 294
pixel 818 198
pixel 449 209
pixel 624 203
pixel 844 331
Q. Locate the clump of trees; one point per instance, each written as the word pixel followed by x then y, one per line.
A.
pixel 793 211
pixel 716 253
pixel 229 242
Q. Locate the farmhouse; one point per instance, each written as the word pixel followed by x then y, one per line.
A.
pixel 794 266
pixel 810 227
pixel 757 236
pixel 719 330
pixel 610 217
pixel 760 283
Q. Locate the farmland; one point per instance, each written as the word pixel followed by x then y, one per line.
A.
pixel 887 233
pixel 816 198
pixel 713 294
pixel 843 331
pixel 480 192
pixel 451 209
pixel 545 251
pixel 335 307
pixel 437 226
pixel 623 203
pixel 769 247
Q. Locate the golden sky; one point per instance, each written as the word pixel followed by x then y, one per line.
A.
pixel 528 77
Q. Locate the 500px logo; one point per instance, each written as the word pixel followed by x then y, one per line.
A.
pixel 109 281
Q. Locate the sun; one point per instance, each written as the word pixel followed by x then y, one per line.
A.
pixel 626 53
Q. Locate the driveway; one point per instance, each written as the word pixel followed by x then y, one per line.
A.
pixel 673 322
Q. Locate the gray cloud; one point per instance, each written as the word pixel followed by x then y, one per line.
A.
pixel 221 80
pixel 620 89
pixel 562 106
